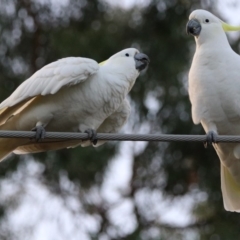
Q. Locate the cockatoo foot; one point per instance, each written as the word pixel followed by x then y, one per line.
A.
pixel 92 134
pixel 40 132
pixel 211 138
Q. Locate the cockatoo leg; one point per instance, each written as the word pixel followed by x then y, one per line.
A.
pixel 211 138
pixel 92 134
pixel 40 132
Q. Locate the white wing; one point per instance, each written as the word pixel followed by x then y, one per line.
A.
pixel 112 124
pixel 51 78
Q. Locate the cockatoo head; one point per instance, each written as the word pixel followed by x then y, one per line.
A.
pixel 130 58
pixel 203 24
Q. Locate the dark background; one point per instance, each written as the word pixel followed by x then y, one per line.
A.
pixel 35 33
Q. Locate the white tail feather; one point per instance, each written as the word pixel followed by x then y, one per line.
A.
pixel 230 190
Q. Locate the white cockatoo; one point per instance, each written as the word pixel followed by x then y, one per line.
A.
pixel 214 90
pixel 73 94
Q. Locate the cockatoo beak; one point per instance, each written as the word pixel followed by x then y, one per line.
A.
pixel 141 61
pixel 193 27
pixel 227 28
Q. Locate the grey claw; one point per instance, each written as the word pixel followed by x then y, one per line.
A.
pixel 40 132
pixel 211 137
pixel 92 135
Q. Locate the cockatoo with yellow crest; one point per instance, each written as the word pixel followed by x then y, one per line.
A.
pixel 214 90
pixel 73 94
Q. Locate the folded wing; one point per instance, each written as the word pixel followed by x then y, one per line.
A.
pixel 48 80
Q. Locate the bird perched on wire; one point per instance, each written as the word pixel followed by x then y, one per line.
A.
pixel 73 94
pixel 214 89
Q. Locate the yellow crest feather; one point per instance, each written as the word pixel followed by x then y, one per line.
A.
pixel 102 63
pixel 227 27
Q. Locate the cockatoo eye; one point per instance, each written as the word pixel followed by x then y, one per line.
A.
pixel 207 21
pixel 127 55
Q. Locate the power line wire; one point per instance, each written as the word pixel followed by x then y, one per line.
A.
pixel 121 137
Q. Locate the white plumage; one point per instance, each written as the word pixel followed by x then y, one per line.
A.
pixel 214 89
pixel 71 94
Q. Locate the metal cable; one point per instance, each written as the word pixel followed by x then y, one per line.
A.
pixel 121 137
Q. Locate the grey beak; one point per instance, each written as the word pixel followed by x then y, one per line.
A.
pixel 141 60
pixel 193 27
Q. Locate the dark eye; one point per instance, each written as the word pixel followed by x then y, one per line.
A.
pixel 127 55
pixel 207 20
